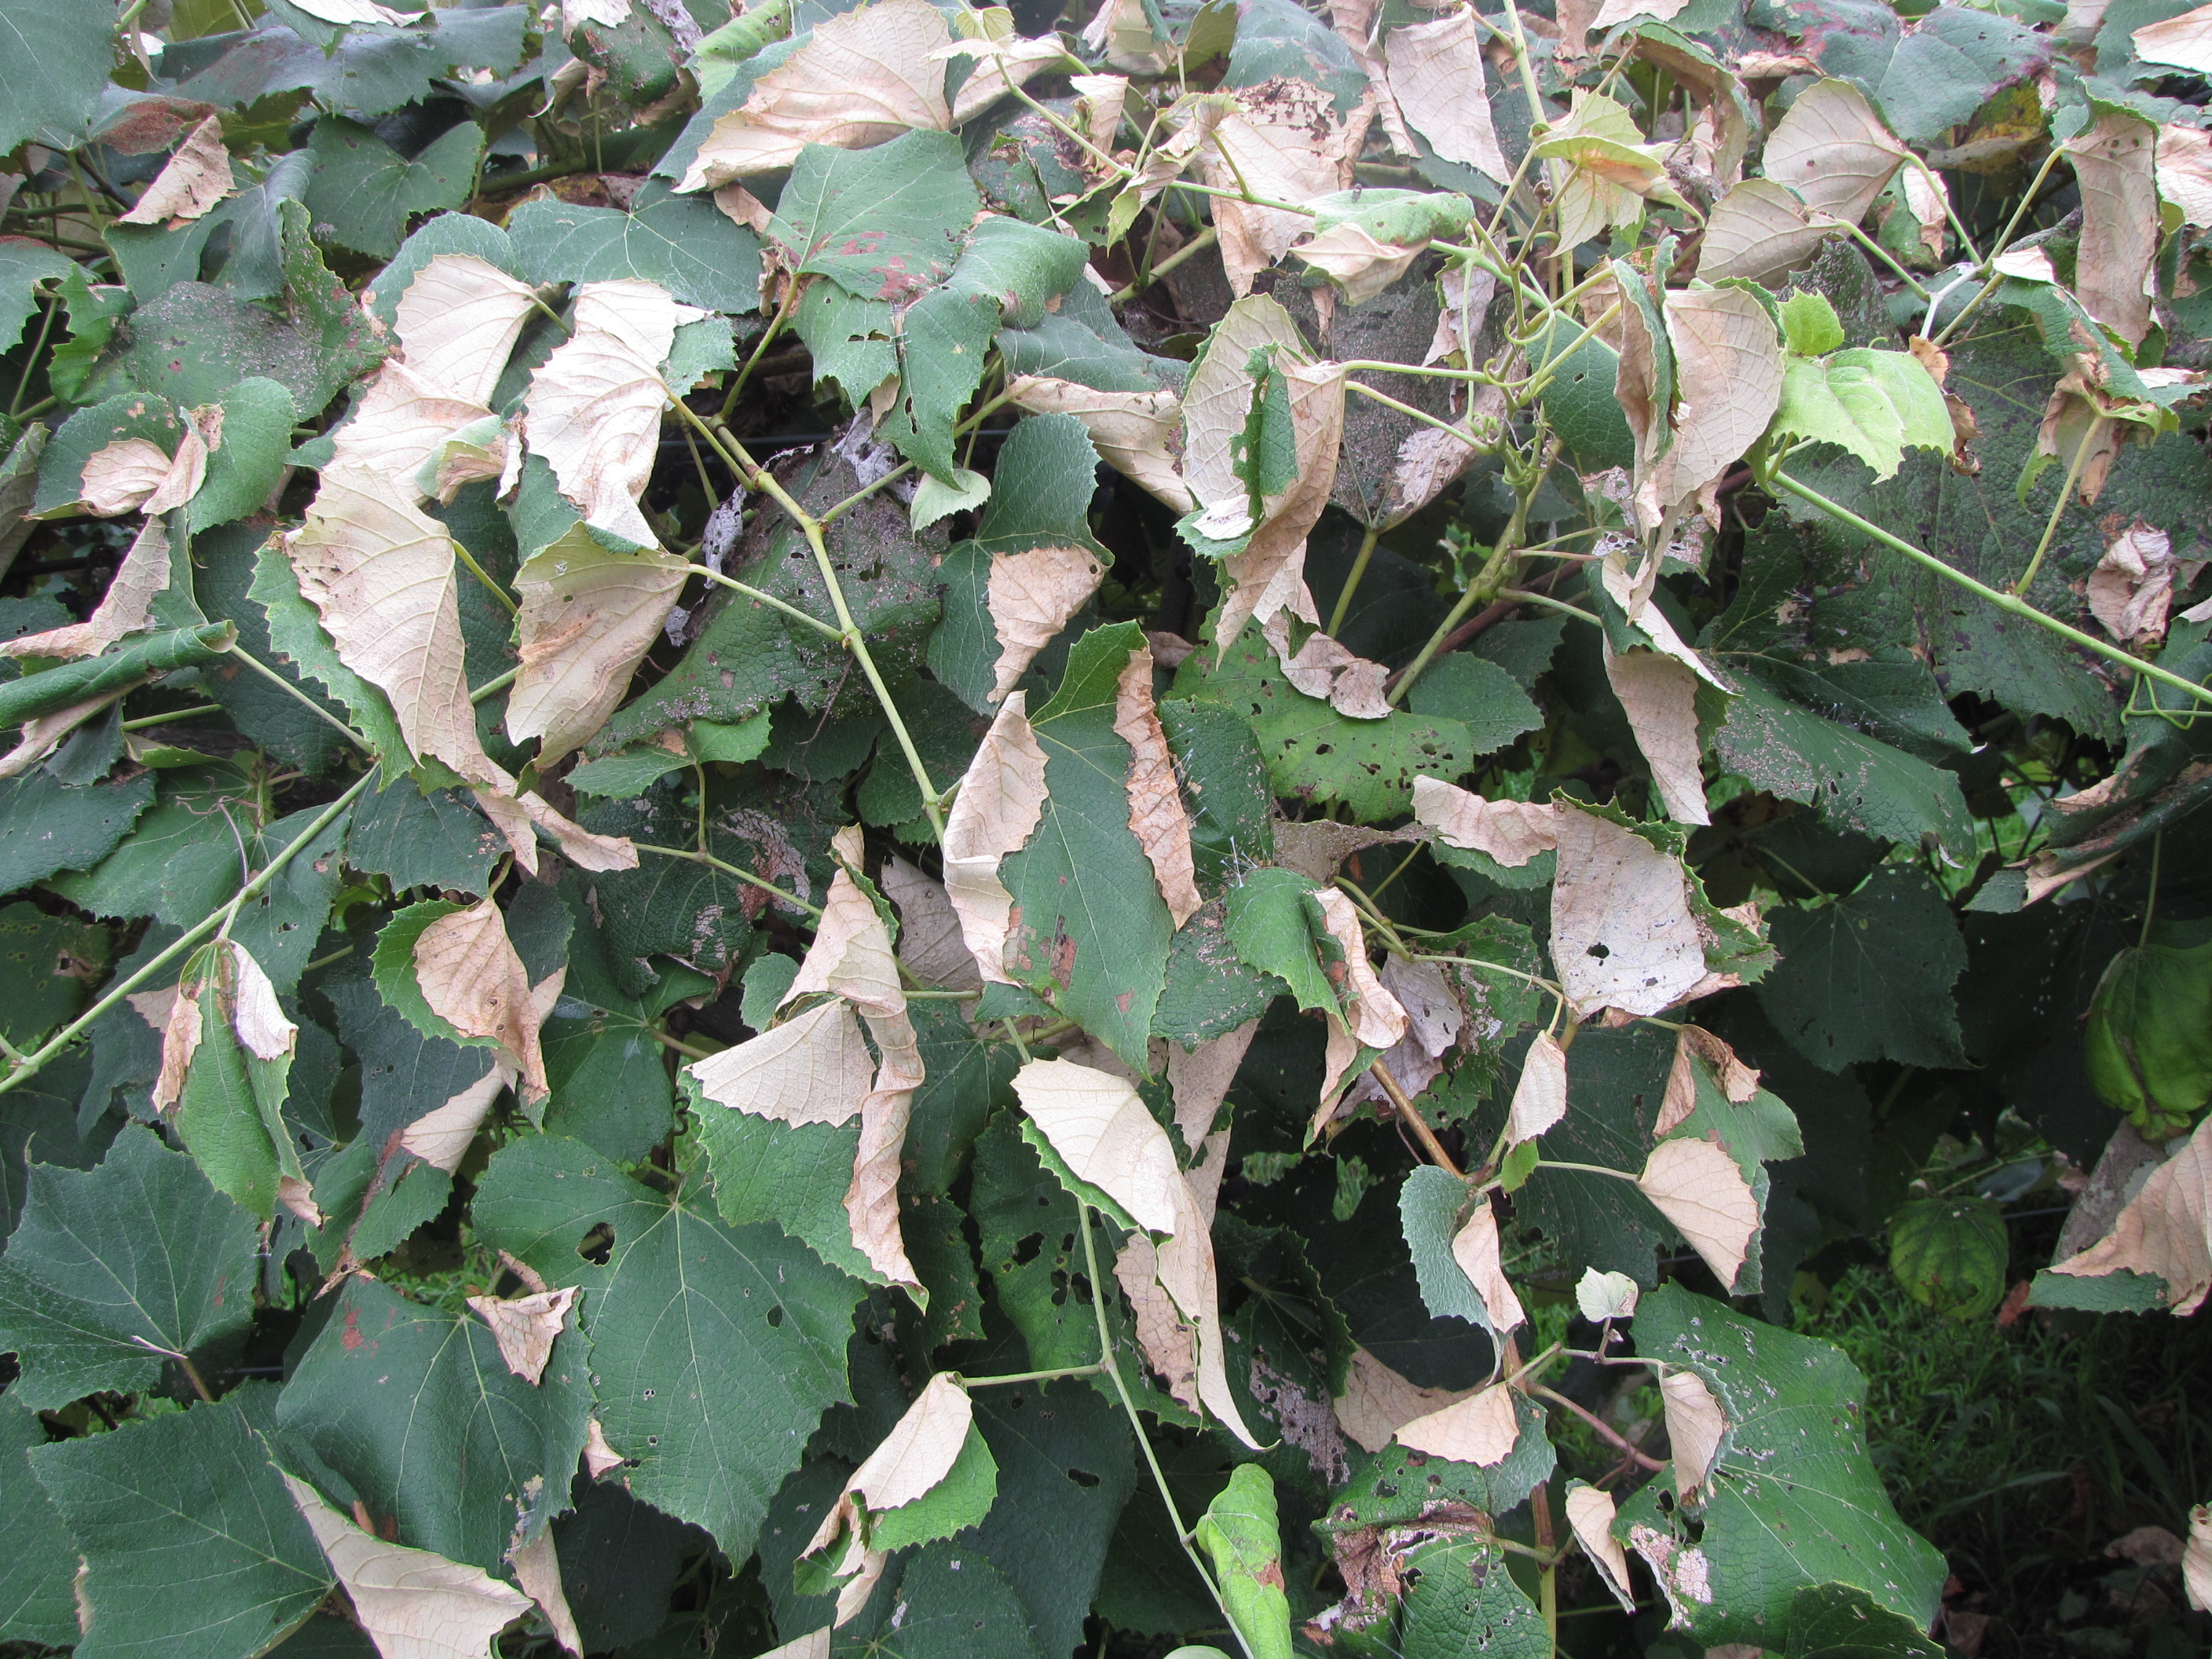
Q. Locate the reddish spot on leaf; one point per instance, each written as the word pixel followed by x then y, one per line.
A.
pixel 351 1337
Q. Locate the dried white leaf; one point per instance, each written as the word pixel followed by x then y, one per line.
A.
pixel 588 617
pixel 2184 41
pixel 2115 162
pixel 2165 1229
pixel 1157 817
pixel 1510 831
pixel 1436 75
pixel 1695 1426
pixel 1138 434
pixel 459 321
pixel 193 180
pixel 526 1327
pixel 1475 1249
pixel 1603 1296
pixel 472 978
pixel 1659 696
pixel 1323 668
pixel 594 405
pixel 126 608
pixel 1031 597
pixel 930 944
pixel 1540 1097
pixel 1481 1429
pixel 1377 1402
pixel 1000 805
pixel 1701 1190
pixel 1102 1130
pixel 1833 150
pixel 815 1068
pixel 443 1136
pixel 414 1604
pixel 861 78
pixel 255 1014
pixel 1758 231
pixel 911 1462
pixel 1622 934
pixel 538 1571
pixel 1286 141
pixel 1590 1512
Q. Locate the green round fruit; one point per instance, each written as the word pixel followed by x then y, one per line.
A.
pixel 2148 1041
pixel 1950 1253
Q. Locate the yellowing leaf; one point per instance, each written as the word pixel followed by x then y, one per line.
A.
pixel 1659 696
pixel 526 1326
pixel 457 322
pixel 588 617
pixel 1758 231
pixel 1481 1429
pixel 414 1605
pixel 1695 1425
pixel 1286 142
pixel 1590 1512
pixel 2166 1228
pixel 813 1068
pixel 2184 41
pixel 1833 150
pixel 910 1463
pixel 1138 434
pixel 125 608
pixel 2115 162
pixel 1622 934
pixel 1377 1402
pixel 594 405
pixel 1032 595
pixel 1510 831
pixel 1701 1190
pixel 1475 1249
pixel 860 79
pixel 1539 1096
pixel 1000 805
pixel 1435 75
pixel 194 179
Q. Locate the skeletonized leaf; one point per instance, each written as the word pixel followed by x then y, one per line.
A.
pixel 1701 1190
pixel 1481 1429
pixel 125 608
pixel 526 1326
pixel 860 79
pixel 1695 1425
pixel 1158 817
pixel 1103 1132
pixel 1031 596
pixel 1286 143
pixel 1475 1249
pixel 1622 934
pixel 194 179
pixel 1540 1098
pixel 1435 73
pixel 1510 831
pixel 1602 1296
pixel 1590 1512
pixel 1000 805
pixel 2184 41
pixel 594 406
pixel 1138 434
pixel 414 1605
pixel 457 322
pixel 1377 1402
pixel 2116 163
pixel 812 1069
pixel 1659 696
pixel 588 617
pixel 910 1463
pixel 1758 231
pixel 473 979
pixel 929 944
pixel 1833 150
pixel 2166 1228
